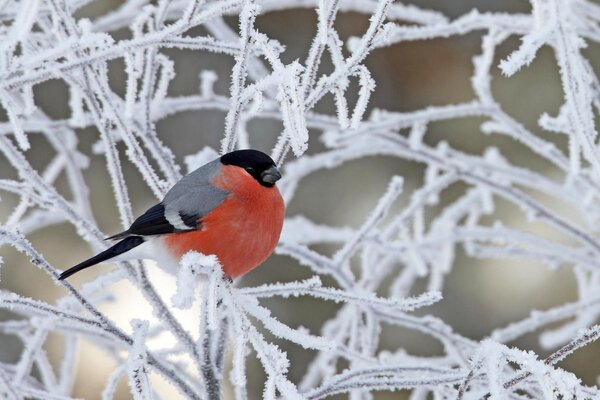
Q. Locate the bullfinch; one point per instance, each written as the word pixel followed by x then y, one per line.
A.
pixel 229 207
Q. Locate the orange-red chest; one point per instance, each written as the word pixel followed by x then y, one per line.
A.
pixel 243 231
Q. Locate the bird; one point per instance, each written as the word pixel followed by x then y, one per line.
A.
pixel 229 207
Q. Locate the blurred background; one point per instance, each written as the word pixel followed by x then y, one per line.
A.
pixel 479 295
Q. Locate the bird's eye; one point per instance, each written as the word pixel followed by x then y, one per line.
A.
pixel 250 170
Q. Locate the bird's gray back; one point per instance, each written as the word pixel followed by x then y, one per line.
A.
pixel 195 195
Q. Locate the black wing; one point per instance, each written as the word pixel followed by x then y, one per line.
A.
pixel 154 222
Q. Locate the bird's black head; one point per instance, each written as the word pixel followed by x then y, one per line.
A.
pixel 256 163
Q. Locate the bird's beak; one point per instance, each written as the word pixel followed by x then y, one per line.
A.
pixel 270 175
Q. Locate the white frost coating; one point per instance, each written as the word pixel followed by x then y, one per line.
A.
pixel 14 112
pixel 192 266
pixel 367 86
pixel 238 75
pixel 291 102
pixel 283 331
pixel 187 280
pixel 299 229
pixel 137 364
pixel 408 237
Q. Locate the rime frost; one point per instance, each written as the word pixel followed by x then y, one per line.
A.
pixel 374 273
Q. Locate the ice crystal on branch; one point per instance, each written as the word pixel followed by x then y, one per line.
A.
pixel 410 235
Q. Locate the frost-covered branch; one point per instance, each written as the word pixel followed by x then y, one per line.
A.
pixel 393 257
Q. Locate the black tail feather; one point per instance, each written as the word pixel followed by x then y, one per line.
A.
pixel 118 235
pixel 119 248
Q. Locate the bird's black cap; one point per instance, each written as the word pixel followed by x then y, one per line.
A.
pixel 247 158
pixel 256 163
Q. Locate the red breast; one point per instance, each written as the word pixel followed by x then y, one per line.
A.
pixel 243 230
